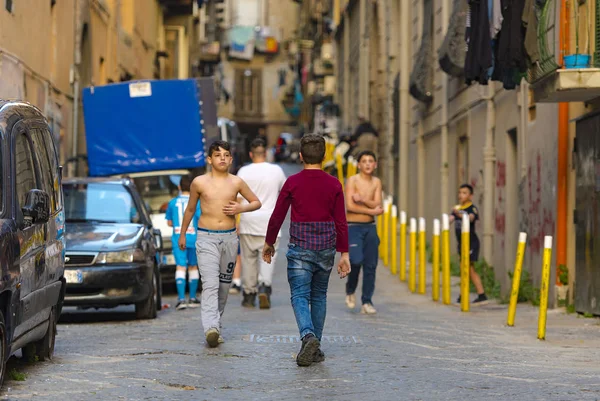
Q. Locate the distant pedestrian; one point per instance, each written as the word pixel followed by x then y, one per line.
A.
pixel 466 206
pixel 184 259
pixel 318 228
pixel 365 137
pixel 265 180
pixel 236 286
pixel 217 241
pixel 363 203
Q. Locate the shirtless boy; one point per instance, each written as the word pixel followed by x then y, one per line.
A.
pixel 363 203
pixel 217 242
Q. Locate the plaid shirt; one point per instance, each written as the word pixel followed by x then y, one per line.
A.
pixel 318 212
pixel 315 236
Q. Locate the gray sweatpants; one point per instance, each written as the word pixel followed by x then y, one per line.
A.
pixel 216 251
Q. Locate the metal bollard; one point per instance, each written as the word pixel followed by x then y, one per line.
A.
pixel 386 232
pixel 394 241
pixel 435 244
pixel 465 263
pixel 340 168
pixel 412 269
pixel 402 246
pixel 545 288
pixel 514 294
pixel 446 260
pixel 422 255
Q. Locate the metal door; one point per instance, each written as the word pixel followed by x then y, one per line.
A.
pixel 587 215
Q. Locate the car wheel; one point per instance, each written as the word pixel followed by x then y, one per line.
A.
pixel 44 348
pixel 3 348
pixel 147 308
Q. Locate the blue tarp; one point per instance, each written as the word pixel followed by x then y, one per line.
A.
pixel 143 126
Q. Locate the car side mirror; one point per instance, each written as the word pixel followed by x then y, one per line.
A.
pixel 158 240
pixel 37 208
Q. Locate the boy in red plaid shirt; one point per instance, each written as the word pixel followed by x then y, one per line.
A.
pixel 318 229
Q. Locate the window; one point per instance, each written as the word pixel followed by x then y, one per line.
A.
pixel 8 4
pixel 25 175
pixel 54 166
pixel 99 202
pixel 44 163
pixel 463 160
pixel 248 93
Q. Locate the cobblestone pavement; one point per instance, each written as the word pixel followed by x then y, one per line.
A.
pixel 413 349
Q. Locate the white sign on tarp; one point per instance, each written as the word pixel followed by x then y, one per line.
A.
pixel 140 89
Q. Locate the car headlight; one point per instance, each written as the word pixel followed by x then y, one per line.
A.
pixel 128 256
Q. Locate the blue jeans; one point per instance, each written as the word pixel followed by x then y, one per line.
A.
pixel 364 244
pixel 308 276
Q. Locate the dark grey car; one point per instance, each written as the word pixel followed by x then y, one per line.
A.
pixel 112 247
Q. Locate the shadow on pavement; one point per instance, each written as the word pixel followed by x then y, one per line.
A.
pixel 82 316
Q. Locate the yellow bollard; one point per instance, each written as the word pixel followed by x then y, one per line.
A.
pixel 514 294
pixel 422 255
pixel 403 246
pixel 435 244
pixel 340 168
pixel 349 167
pixel 465 263
pixel 446 260
pixel 545 288
pixel 412 268
pixel 394 241
pixel 386 232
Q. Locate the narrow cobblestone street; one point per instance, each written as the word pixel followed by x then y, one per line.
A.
pixel 412 349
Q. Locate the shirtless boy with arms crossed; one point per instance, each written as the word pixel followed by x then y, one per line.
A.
pixel 363 203
pixel 217 242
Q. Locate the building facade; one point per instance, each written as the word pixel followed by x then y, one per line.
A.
pixel 81 43
pixel 401 64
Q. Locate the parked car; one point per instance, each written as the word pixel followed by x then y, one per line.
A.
pixel 112 247
pixel 31 234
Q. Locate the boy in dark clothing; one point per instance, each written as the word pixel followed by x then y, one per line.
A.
pixel 318 229
pixel 465 197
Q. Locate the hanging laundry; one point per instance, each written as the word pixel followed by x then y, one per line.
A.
pixel 530 22
pixel 495 9
pixel 510 53
pixel 242 39
pixel 479 50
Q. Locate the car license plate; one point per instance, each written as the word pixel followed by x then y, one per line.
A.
pixel 169 259
pixel 73 276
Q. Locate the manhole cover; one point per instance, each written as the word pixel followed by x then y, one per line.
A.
pixel 274 339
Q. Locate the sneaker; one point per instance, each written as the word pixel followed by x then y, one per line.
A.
pixel 368 309
pixel 212 337
pixel 264 297
pixel 193 303
pixel 481 300
pixel 235 289
pixel 181 304
pixel 351 301
pixel 249 300
pixel 310 347
pixel 458 299
pixel 319 356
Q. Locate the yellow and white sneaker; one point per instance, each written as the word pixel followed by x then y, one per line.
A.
pixel 368 309
pixel 351 301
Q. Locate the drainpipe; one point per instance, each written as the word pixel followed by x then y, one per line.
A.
pixel 563 149
pixel 444 170
pixel 348 118
pixel 489 157
pixel 389 88
pixel 421 167
pixel 405 102
pixel 364 72
pixel 75 81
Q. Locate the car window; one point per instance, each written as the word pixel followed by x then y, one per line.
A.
pixel 46 173
pixel 157 191
pixel 25 174
pixel 99 202
pixel 1 181
pixel 54 165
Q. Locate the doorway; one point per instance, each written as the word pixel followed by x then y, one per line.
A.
pixel 511 194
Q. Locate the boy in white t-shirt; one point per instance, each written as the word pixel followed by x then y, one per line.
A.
pixel 265 180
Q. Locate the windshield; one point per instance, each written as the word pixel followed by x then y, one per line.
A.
pixel 98 202
pixel 158 190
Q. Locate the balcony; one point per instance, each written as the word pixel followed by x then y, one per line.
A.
pixel 178 7
pixel 577 81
